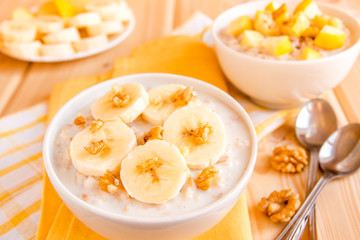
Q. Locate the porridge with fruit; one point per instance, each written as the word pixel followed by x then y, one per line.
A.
pixel 163 151
pixel 274 33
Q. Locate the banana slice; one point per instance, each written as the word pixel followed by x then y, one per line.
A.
pixel 70 34
pixel 199 133
pixel 89 43
pixel 108 27
pixel 126 102
pixel 123 13
pixel 18 31
pixel 99 148
pixel 49 23
pixel 164 100
pixel 85 19
pixel 154 172
pixel 57 49
pixel 105 8
pixel 23 49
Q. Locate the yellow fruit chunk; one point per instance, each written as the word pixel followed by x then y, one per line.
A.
pixel 22 14
pixel 278 46
pixel 296 25
pixel 252 39
pixel 310 32
pixel 79 4
pixel 65 8
pixel 321 20
pixel 272 6
pixel 265 24
pixel 308 54
pixel 240 24
pixel 309 7
pixel 281 14
pixel 48 8
pixel 330 38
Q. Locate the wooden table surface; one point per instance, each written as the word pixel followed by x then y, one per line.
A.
pixel 23 84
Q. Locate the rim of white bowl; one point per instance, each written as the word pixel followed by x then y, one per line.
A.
pixel 54 125
pixel 320 4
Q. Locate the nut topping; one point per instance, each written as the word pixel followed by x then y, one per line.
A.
pixel 200 135
pixel 182 96
pixel 95 147
pixel 289 160
pixel 79 120
pixel 206 178
pixel 150 166
pixel 154 133
pixel 96 125
pixel 110 183
pixel 280 206
pixel 120 98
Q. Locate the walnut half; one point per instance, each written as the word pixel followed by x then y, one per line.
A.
pixel 154 133
pixel 289 160
pixel 206 178
pixel 280 206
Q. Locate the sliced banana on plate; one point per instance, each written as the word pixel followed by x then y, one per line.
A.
pixel 70 34
pixel 85 19
pixel 199 133
pixel 165 99
pixel 49 23
pixel 154 172
pixel 23 49
pixel 57 49
pixel 99 148
pixel 108 27
pixel 89 43
pixel 104 7
pixel 125 102
pixel 18 31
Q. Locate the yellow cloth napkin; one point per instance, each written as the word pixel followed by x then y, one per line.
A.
pixel 183 55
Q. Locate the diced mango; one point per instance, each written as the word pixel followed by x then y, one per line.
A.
pixel 240 24
pixel 310 32
pixel 22 14
pixel 48 8
pixel 308 53
pixel 281 14
pixel 321 20
pixel 252 39
pixel 296 25
pixel 272 6
pixel 277 46
pixel 265 24
pixel 309 7
pixel 65 8
pixel 330 38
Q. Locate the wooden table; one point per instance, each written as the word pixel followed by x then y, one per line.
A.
pixel 23 84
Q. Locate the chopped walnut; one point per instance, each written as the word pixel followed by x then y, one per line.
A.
pixel 150 166
pixel 110 183
pixel 95 147
pixel 206 178
pixel 280 206
pixel 84 197
pixel 79 120
pixel 289 160
pixel 182 96
pixel 96 125
pixel 200 135
pixel 120 98
pixel 154 133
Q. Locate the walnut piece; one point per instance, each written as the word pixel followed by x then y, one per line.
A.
pixel 183 96
pixel 110 183
pixel 79 120
pixel 150 166
pixel 280 206
pixel 206 178
pixel 201 134
pixel 120 98
pixel 154 133
pixel 95 147
pixel 289 160
pixel 96 125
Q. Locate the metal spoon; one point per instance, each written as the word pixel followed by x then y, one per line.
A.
pixel 338 157
pixel 314 124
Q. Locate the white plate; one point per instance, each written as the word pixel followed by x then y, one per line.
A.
pixel 112 43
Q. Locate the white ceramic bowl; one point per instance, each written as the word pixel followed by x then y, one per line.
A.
pixel 284 84
pixel 113 225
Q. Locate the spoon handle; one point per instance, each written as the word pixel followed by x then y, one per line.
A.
pixel 299 217
pixel 313 170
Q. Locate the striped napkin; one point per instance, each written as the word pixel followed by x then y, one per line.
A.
pixel 21 146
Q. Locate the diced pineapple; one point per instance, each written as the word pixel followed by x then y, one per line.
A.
pixel 310 32
pixel 22 14
pixel 281 14
pixel 240 24
pixel 65 8
pixel 277 46
pixel 265 24
pixel 48 8
pixel 308 53
pixel 330 38
pixel 296 25
pixel 252 39
pixel 321 20
pixel 309 7
pixel 272 6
